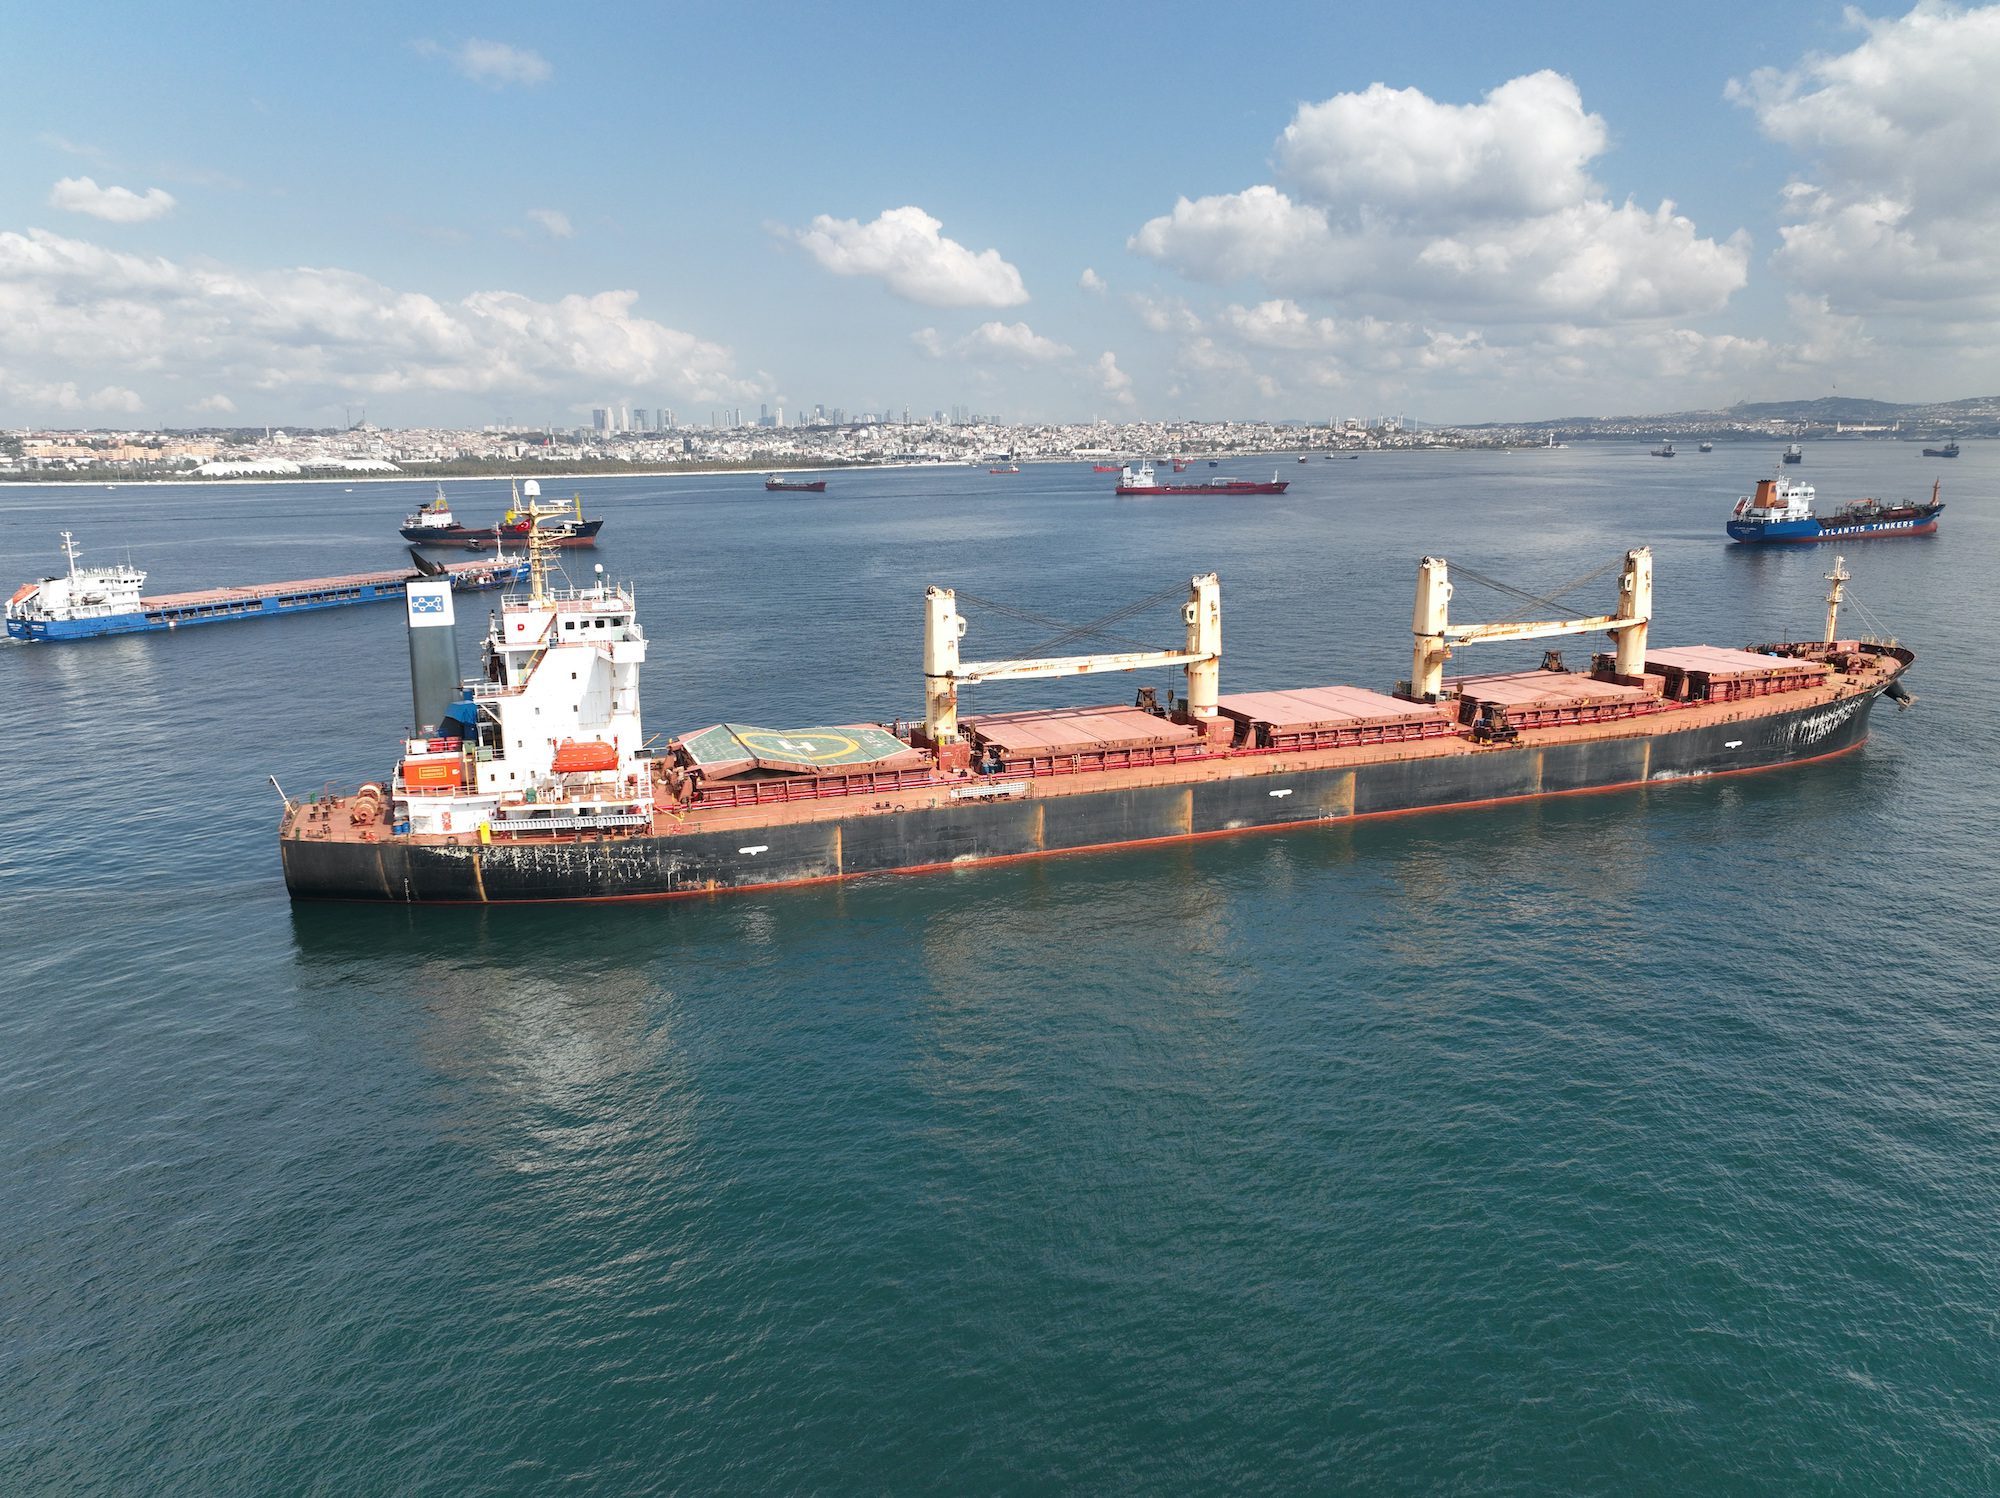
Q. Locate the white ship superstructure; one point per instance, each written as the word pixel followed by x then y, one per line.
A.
pixel 435 516
pixel 81 593
pixel 1777 500
pixel 551 732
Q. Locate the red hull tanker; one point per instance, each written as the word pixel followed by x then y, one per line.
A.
pixel 1140 482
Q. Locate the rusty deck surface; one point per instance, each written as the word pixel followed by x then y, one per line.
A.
pixel 1302 709
pixel 1077 730
pixel 248 591
pixel 669 817
pixel 1546 689
pixel 1714 660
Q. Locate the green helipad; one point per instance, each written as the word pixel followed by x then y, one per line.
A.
pixel 728 748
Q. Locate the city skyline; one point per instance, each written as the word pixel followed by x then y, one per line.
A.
pixel 1295 213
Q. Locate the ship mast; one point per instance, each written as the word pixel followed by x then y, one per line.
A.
pixel 69 551
pixel 539 546
pixel 1838 576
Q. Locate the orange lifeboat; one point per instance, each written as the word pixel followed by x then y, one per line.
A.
pixel 574 758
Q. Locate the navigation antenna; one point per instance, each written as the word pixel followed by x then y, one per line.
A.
pixel 69 550
pixel 1837 577
pixel 539 546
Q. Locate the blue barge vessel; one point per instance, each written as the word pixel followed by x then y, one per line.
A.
pixel 83 603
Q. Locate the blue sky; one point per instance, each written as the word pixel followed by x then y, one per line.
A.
pixel 482 213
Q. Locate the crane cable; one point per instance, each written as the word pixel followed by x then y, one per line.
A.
pixel 1535 600
pixel 1070 632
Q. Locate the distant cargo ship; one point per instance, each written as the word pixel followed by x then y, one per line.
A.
pixel 540 789
pixel 435 525
pixel 773 484
pixel 83 603
pixel 1781 512
pixel 1795 454
pixel 1949 450
pixel 1664 450
pixel 1141 481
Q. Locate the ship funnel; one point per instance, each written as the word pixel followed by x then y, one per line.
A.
pixel 434 681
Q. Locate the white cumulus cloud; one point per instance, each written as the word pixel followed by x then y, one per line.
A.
pixel 903 248
pixel 118 205
pixel 116 398
pixel 493 64
pixel 75 311
pixel 1524 150
pixel 66 398
pixel 1896 209
pixel 1112 380
pixel 215 405
pixel 553 221
pixel 1009 342
pixel 1091 281
pixel 1278 349
pixel 96 155
pixel 1013 340
pixel 1282 324
pixel 1400 203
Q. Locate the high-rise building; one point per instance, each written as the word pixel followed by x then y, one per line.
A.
pixel 640 421
pixel 600 419
pixel 666 419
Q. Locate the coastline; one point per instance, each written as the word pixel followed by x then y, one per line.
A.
pixel 552 473
pixel 547 473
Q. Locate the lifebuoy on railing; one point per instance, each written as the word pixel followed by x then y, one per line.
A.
pixel 447 821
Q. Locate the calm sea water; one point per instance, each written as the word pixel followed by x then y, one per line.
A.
pixel 1636 1143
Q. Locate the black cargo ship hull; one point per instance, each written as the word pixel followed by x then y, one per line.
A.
pixel 1005 821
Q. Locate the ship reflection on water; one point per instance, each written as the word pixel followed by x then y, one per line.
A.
pixel 535 1003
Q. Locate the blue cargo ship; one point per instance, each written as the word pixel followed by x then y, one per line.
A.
pixel 1781 512
pixel 83 603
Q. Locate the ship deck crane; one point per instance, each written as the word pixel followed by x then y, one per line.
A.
pixel 945 673
pixel 1436 635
